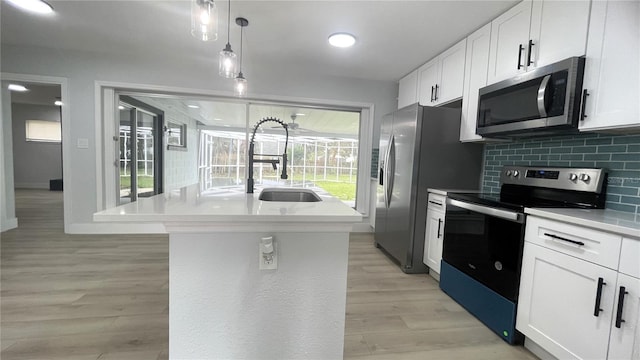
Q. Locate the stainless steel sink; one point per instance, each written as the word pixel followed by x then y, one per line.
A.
pixel 288 195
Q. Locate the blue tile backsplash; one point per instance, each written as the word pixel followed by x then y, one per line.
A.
pixel 619 154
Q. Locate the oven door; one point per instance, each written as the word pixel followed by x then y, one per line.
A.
pixel 486 244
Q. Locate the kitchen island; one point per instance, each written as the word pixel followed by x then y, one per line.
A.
pixel 221 304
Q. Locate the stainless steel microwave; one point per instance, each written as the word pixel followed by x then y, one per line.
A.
pixel 539 102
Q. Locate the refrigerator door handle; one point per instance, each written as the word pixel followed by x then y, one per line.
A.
pixel 391 169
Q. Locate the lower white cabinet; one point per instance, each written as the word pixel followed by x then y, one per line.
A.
pixel 557 302
pixel 625 331
pixel 434 232
pixel 576 301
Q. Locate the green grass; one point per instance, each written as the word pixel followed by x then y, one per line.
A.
pixel 340 188
pixel 143 182
pixel 342 191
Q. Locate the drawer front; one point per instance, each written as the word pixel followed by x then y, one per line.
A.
pixel 629 255
pixel 592 245
pixel 436 202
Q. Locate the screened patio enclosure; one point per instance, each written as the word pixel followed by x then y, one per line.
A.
pixel 329 163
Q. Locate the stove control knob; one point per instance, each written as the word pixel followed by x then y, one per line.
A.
pixel 573 177
pixel 516 173
pixel 585 177
pixel 508 173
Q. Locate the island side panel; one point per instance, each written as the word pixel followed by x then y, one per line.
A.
pixel 222 306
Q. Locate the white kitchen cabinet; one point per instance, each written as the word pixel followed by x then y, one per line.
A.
pixel 558 30
pixel 441 80
pixel 475 77
pixel 625 330
pixel 535 33
pixel 612 69
pixel 624 342
pixel 563 265
pixel 451 73
pixel 509 39
pixel 408 90
pixel 557 301
pixel 428 78
pixel 434 233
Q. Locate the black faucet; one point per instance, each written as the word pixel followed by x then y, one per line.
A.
pixel 273 162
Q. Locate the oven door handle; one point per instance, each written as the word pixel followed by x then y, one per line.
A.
pixel 499 213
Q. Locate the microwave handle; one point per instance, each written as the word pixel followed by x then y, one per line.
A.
pixel 542 94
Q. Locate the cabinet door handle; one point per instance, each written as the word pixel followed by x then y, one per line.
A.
pixel 439 224
pixel 435 202
pixel 432 88
pixel 564 239
pixel 596 309
pixel 520 48
pixel 584 104
pixel 621 294
pixel 436 94
pixel 529 62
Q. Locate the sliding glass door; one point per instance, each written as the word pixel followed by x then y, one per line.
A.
pixel 140 150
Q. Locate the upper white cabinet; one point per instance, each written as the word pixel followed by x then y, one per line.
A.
pixel 535 33
pixel 475 77
pixel 558 30
pixel 428 78
pixel 509 40
pixel 441 79
pixel 408 90
pixel 612 69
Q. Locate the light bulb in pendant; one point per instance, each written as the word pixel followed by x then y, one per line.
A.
pixel 241 85
pixel 227 62
pixel 204 20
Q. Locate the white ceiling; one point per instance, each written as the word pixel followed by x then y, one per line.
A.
pixel 394 37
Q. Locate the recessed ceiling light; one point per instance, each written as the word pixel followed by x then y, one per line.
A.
pixel 16 87
pixel 36 6
pixel 57 103
pixel 225 125
pixel 300 114
pixel 120 107
pixel 194 106
pixel 217 119
pixel 342 40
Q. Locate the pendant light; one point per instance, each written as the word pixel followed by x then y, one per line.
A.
pixel 241 82
pixel 204 20
pixel 227 59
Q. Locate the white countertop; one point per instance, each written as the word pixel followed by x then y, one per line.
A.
pixel 626 224
pixel 229 205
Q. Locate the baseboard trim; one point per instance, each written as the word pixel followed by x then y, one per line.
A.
pixel 362 227
pixel 8 224
pixel 44 186
pixel 115 228
pixel 537 350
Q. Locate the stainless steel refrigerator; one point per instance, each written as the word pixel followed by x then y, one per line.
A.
pixel 419 149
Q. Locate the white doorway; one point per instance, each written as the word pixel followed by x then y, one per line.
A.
pixel 34 129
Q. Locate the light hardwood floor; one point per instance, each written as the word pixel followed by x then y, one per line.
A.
pixel 79 297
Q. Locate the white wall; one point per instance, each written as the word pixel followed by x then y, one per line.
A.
pixel 7 203
pixel 83 69
pixel 35 163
